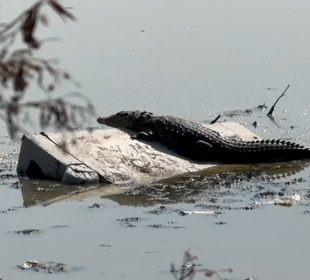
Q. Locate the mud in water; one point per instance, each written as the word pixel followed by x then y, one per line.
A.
pixel 238 216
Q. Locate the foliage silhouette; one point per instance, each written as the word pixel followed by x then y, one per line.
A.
pixel 21 67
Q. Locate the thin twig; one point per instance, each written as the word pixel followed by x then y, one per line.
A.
pixel 216 119
pixel 269 114
pixel 19 67
pixel 273 120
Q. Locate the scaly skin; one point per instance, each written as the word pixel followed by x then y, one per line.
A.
pixel 196 142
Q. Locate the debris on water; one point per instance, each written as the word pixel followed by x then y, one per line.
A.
pixel 220 185
pixel 15 185
pixel 267 194
pixel 28 231
pixel 193 212
pixel 220 223
pixel 186 269
pixel 131 219
pixel 48 267
pixel 161 226
pixel 190 268
pixel 150 252
pixel 9 210
pixel 165 210
pixel 245 112
pixel 225 207
pixel 96 205
pixel 128 221
pixel 161 210
pixel 169 225
pixel 105 245
pixel 286 201
pixel 289 201
pixel 7 176
pixel 43 189
pixel 59 226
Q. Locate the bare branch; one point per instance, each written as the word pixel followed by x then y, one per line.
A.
pixel 216 119
pixel 63 13
pixel 273 106
pixel 188 269
pixel 19 68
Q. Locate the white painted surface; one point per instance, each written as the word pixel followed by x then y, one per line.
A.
pixel 110 155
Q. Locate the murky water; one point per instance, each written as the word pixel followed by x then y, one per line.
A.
pixel 193 59
pixel 253 223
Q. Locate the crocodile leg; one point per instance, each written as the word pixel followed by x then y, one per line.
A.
pixel 144 135
pixel 202 149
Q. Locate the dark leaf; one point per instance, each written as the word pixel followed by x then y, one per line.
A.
pixel 60 9
pixel 62 116
pixel 45 117
pixel 28 27
pixel 20 83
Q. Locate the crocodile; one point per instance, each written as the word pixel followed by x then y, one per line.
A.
pixel 196 142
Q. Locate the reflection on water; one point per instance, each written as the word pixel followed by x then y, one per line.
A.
pixel 220 185
pixel 45 192
pixel 233 185
pixel 38 191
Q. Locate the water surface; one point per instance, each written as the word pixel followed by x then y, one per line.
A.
pixel 187 58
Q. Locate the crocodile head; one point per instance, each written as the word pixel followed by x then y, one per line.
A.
pixel 126 119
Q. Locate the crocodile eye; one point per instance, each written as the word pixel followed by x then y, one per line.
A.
pixel 146 114
pixel 121 113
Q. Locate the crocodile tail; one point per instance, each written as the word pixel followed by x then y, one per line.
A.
pixel 271 144
pixel 269 150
